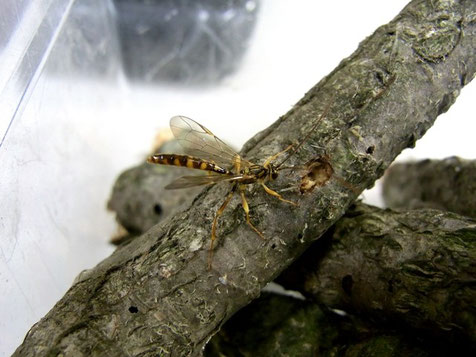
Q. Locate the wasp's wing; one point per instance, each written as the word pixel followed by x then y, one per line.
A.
pixel 192 181
pixel 200 142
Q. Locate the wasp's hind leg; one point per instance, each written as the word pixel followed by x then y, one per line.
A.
pixel 215 221
pixel 246 208
pixel 277 195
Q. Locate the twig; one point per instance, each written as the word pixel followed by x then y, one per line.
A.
pixel 411 269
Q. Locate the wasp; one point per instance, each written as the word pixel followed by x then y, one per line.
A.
pixel 207 152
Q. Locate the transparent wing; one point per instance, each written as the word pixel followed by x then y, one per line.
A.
pixel 200 142
pixel 192 181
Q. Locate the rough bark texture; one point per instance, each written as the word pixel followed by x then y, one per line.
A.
pixel 279 326
pixel 448 184
pixel 271 326
pixel 275 325
pixel 140 200
pixel 413 269
pixel 155 295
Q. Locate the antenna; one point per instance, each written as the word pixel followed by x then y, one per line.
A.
pixel 324 113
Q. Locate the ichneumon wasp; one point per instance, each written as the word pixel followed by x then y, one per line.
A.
pixel 207 152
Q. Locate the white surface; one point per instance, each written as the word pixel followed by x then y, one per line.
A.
pixel 75 134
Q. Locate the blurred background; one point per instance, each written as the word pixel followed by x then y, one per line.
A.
pixel 85 86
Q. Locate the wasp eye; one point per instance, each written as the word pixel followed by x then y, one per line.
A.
pixel 274 175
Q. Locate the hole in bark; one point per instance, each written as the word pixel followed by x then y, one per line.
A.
pixel 158 209
pixel 273 246
pixel 133 310
pixel 299 236
pixel 347 283
pixel 390 286
pixel 370 149
pixel 319 171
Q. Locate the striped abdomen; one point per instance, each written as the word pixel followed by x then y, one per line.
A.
pixel 186 161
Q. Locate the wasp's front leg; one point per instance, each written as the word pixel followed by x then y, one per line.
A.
pixel 277 195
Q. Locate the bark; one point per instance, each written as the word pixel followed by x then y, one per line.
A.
pixel 272 325
pixel 139 198
pixel 275 325
pixel 448 184
pixel 155 296
pixel 140 201
pixel 253 330
pixel 412 269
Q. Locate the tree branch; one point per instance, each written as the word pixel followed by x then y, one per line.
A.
pixel 411 269
pixel 442 184
pixel 276 325
pixel 155 296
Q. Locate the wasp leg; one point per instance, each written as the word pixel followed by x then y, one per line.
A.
pixel 275 156
pixel 215 221
pixel 277 195
pixel 246 208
